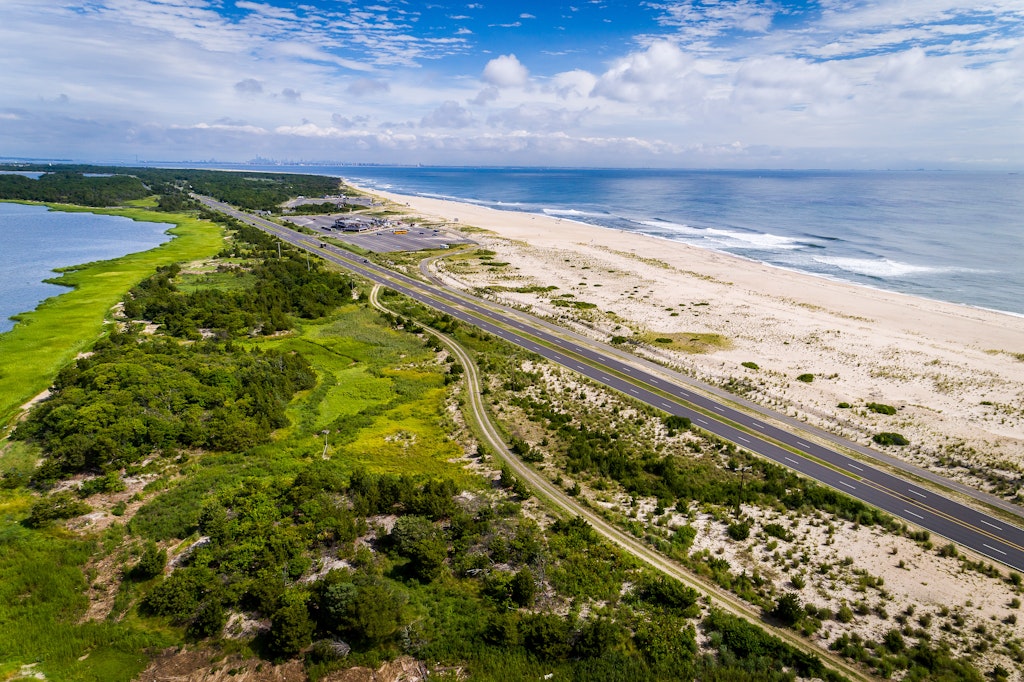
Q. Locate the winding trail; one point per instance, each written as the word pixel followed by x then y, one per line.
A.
pixel 560 501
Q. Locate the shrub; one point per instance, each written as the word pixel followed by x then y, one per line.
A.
pixel 806 378
pixel 888 438
pixel 151 563
pixel 675 423
pixel 879 408
pixel 291 629
pixel 788 609
pixel 750 365
pixel 53 507
pixel 738 531
pixel 843 406
pixel 663 339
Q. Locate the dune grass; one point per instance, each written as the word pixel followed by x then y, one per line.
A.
pixel 49 337
pixel 687 342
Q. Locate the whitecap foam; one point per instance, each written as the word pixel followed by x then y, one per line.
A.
pixel 758 241
pixel 573 212
pixel 679 228
pixel 882 268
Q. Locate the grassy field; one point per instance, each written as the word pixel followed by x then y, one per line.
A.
pixel 380 396
pixel 49 337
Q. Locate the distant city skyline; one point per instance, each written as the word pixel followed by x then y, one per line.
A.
pixel 697 83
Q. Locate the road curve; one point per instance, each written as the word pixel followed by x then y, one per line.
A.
pixel 555 496
pixel 982 533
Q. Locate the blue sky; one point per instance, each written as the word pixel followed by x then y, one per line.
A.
pixel 695 83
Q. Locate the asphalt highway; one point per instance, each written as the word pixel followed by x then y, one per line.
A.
pixel 982 533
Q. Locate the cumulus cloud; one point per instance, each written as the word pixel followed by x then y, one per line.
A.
pixel 575 83
pixel 367 86
pixel 506 72
pixel 249 86
pixel 486 96
pixel 291 95
pixel 661 74
pixel 449 115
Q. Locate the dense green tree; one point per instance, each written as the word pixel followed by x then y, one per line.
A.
pixel 422 543
pixel 291 628
pixel 788 609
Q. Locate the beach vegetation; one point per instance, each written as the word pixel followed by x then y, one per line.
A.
pixel 340 514
pixel 750 365
pixel 843 405
pixel 890 438
pixel 687 342
pixel 806 378
pixel 879 408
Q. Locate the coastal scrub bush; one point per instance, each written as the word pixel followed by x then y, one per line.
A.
pixel 889 438
pixel 879 408
pixel 738 531
pixel 843 406
pixel 806 378
pixel 55 507
pixel 674 423
pixel 750 365
pixel 151 563
pixel 788 610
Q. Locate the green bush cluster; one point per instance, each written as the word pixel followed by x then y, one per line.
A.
pixel 134 397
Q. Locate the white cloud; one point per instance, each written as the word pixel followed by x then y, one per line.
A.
pixel 248 86
pixel 661 74
pixel 532 117
pixel 505 72
pixel 575 83
pixel 449 115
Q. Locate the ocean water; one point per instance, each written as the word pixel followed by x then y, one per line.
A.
pixel 952 236
pixel 35 240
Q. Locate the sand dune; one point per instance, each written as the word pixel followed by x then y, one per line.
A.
pixel 954 373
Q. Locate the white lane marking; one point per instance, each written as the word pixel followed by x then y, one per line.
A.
pixel 907 511
pixel 701 421
pixel 992 525
pixel 742 439
pixel 627 369
pixel 716 408
pixel 757 425
pixel 802 444
pixel 854 466
pixel 790 459
pixel 633 391
pixel 994 549
pixel 851 487
pixel 666 405
pixel 917 493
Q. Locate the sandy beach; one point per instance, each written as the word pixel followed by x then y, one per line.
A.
pixel 954 374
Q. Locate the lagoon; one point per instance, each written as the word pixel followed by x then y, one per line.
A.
pixel 34 240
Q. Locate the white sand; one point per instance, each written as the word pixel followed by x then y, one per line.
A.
pixel 955 373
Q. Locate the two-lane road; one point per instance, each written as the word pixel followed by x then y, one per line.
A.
pixel 984 534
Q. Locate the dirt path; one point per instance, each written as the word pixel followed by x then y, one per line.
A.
pixel 555 497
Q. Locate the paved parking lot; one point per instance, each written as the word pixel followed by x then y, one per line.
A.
pixel 384 240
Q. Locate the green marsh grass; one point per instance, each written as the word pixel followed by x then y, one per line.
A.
pixel 49 337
